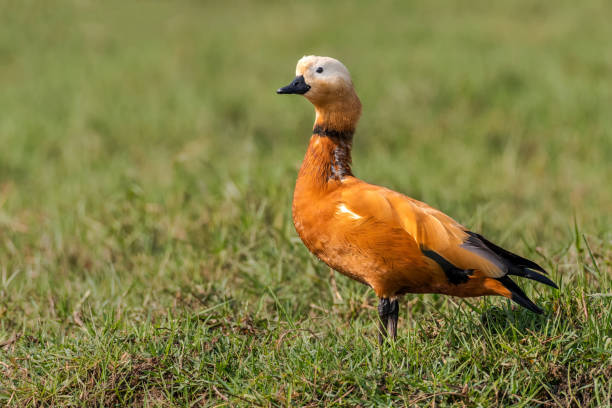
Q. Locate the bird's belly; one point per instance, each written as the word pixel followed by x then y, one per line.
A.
pixel 333 248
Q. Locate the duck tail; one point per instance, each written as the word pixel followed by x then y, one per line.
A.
pixel 517 295
pixel 517 265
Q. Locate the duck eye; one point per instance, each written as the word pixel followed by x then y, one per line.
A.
pixel 319 70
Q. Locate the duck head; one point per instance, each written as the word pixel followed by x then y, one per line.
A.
pixel 327 84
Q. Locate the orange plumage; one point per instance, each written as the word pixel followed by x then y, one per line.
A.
pixel 391 242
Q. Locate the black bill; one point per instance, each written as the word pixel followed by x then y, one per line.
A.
pixel 297 86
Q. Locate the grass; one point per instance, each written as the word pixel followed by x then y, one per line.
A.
pixel 147 253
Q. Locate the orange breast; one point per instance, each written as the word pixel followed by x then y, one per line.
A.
pixel 379 254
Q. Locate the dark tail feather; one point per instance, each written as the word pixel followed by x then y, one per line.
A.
pixel 511 257
pixel 533 275
pixel 518 295
pixel 517 266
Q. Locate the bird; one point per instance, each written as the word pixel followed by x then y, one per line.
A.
pixel 384 239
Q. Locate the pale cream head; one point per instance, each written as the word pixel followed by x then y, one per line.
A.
pixel 327 84
pixel 327 77
pixel 325 69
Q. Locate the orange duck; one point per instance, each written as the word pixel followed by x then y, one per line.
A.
pixel 386 240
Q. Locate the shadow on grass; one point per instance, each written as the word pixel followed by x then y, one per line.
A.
pixel 497 320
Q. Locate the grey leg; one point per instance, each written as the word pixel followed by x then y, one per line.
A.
pixel 388 312
pixel 383 314
pixel 393 315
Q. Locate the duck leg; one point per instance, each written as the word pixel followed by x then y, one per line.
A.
pixel 388 312
pixel 383 314
pixel 393 315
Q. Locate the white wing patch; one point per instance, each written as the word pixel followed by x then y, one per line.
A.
pixel 342 209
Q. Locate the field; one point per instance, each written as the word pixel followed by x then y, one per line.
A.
pixel 147 252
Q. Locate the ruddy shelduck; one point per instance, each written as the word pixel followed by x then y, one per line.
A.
pixel 388 241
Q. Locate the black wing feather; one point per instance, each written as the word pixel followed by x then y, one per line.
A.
pixel 518 295
pixel 512 264
pixel 514 259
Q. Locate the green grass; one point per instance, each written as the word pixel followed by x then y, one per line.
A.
pixel 147 253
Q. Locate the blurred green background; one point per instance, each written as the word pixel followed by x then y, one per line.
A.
pixel 465 107
pixel 147 165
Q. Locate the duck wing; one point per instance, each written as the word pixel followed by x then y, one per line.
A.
pixel 459 252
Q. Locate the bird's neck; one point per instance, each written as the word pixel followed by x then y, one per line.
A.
pixel 328 158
